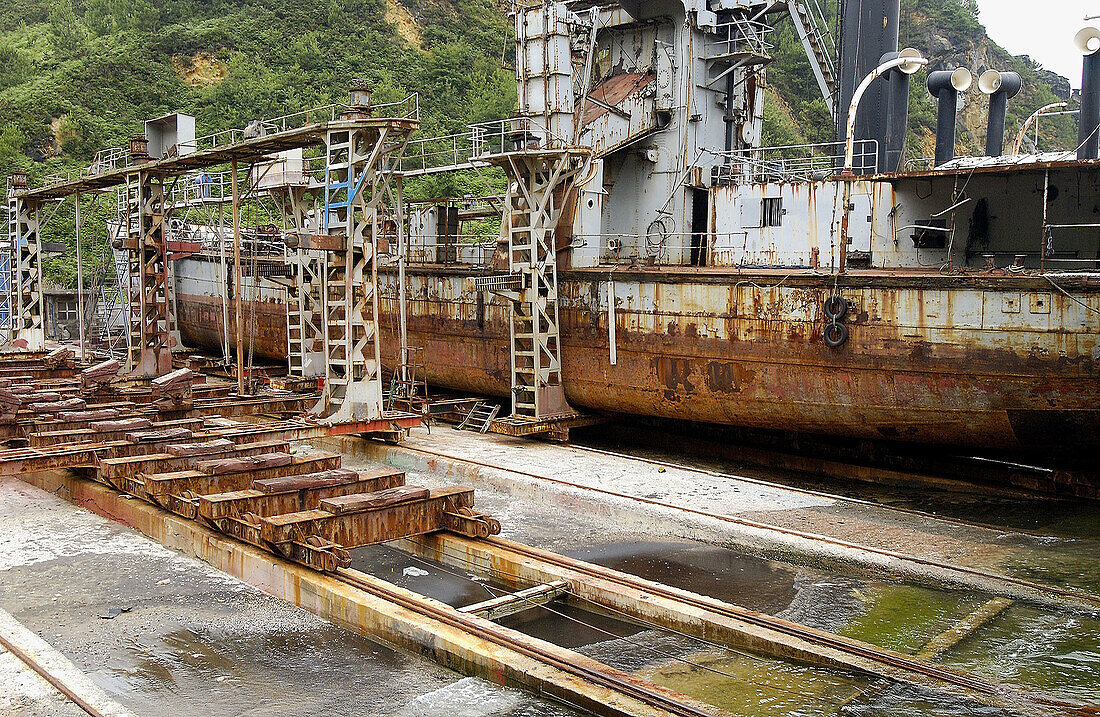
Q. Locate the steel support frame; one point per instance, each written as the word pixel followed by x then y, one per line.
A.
pixel 7 278
pixel 28 319
pixel 305 313
pixel 538 184
pixel 150 352
pixel 356 185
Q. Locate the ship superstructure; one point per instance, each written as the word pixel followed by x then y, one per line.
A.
pixel 654 258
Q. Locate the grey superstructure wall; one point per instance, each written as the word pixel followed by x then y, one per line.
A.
pixel 869 31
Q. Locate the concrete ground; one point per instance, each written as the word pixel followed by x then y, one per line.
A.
pixel 187 639
pixel 24 692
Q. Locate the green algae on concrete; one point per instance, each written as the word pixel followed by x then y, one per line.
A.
pixel 750 685
pixel 1057 653
pixel 905 618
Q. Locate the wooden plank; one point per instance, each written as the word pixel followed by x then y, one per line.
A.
pixel 116 468
pixel 285 484
pixel 371 501
pixel 367 527
pixel 236 503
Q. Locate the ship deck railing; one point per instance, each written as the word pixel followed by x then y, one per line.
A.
pixel 794 162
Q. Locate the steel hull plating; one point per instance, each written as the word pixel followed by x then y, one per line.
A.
pixel 985 361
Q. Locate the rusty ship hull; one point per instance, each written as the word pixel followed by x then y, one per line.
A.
pixel 997 362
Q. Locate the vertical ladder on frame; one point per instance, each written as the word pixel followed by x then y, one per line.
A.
pixel 145 243
pixel 7 244
pixel 305 339
pixel 28 316
pixel 304 306
pixel 538 182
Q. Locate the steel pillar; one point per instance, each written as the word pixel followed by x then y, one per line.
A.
pixel 150 352
pixel 356 184
pixel 539 182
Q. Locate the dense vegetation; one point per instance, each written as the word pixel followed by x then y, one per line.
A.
pixel 80 75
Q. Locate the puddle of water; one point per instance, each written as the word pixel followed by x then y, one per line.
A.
pixel 723 574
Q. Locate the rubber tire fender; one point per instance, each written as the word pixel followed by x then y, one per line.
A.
pixel 835 335
pixel 836 307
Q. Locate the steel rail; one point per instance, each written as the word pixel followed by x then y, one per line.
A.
pixel 49 677
pixel 789 628
pixel 499 636
pixel 1085 599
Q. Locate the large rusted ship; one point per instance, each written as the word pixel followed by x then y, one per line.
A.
pixel 654 259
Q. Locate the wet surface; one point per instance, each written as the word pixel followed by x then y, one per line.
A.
pixel 188 639
pixel 196 641
pixel 745 580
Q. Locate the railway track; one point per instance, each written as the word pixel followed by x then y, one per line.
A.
pixel 810 635
pixel 612 679
pixel 1017 588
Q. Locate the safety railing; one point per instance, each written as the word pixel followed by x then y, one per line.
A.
pixel 795 163
pixel 116 158
pixel 424 155
pixel 466 251
pixel 737 37
pixel 513 134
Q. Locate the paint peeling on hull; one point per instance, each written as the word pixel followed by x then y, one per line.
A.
pixel 976 364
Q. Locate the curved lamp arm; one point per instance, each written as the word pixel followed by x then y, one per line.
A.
pixel 849 147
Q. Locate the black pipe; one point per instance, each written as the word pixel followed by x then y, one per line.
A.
pixel 1008 86
pixel 941 85
pixel 868 31
pixel 890 152
pixel 1088 126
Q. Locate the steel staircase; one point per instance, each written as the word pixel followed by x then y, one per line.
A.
pixel 817 39
pixel 480 417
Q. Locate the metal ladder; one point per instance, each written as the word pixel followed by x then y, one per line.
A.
pixel 480 417
pixel 7 278
pixel 817 39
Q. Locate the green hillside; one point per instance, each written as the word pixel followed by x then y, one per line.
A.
pixel 947 32
pixel 80 75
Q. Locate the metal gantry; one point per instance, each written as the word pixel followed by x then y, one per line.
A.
pixel 357 182
pixel 336 300
pixel 538 183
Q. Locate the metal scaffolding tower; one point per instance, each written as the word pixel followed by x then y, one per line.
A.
pixel 357 181
pixel 539 180
pixel 27 320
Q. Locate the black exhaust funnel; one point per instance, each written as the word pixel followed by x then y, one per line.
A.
pixel 945 86
pixel 1087 42
pixel 869 30
pixel 1001 87
pixel 890 152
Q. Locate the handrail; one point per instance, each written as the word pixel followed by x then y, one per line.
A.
pixel 114 158
pixel 794 162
